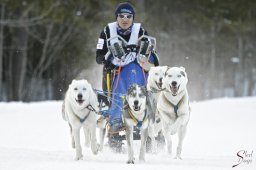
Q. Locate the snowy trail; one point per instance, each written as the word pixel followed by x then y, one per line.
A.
pixel 34 136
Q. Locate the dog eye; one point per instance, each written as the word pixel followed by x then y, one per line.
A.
pixel 141 96
pixel 84 89
pixel 179 76
pixel 169 75
pixel 75 89
pixel 156 74
pixel 132 95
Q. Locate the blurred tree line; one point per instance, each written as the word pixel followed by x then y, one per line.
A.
pixel 45 44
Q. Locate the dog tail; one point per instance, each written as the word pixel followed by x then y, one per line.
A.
pixel 63 111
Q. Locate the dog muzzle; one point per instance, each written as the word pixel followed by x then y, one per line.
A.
pixel 174 89
pixel 159 85
pixel 136 107
pixel 80 101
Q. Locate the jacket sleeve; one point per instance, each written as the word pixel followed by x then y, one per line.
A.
pixel 101 48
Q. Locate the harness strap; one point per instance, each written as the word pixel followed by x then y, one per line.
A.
pixel 90 108
pixel 82 120
pixel 134 33
pixel 113 33
pixel 154 90
pixel 175 107
pixel 138 123
pixel 144 74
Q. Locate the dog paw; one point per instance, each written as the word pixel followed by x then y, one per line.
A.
pixel 142 158
pixel 130 162
pixel 79 157
pixel 178 157
pixel 96 150
pixel 101 148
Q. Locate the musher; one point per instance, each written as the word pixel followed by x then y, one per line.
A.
pixel 126 58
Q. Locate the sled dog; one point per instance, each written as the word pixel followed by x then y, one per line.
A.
pixel 154 87
pixel 135 115
pixel 173 106
pixel 102 124
pixel 155 78
pixel 79 110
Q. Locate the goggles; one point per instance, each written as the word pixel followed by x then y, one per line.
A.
pixel 122 16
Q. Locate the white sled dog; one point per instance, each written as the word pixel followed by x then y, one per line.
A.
pixel 79 109
pixel 173 106
pixel 154 87
pixel 155 78
pixel 135 115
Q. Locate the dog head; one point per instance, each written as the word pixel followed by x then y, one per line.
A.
pixel 136 98
pixel 155 77
pixel 175 80
pixel 82 94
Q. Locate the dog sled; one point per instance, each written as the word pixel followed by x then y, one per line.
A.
pixel 117 80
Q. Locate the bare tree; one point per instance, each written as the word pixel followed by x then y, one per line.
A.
pixel 1 48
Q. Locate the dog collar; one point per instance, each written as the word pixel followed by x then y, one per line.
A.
pixel 175 107
pixel 138 123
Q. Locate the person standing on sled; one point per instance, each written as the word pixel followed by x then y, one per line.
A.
pixel 127 53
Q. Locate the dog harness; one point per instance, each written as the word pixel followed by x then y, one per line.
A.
pixel 90 108
pixel 154 90
pixel 175 107
pixel 138 123
pixel 82 120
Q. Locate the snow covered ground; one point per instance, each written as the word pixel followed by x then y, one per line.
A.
pixel 33 136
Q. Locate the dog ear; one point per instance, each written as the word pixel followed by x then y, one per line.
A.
pixel 144 90
pixel 165 74
pixel 165 68
pixel 182 73
pixel 125 104
pixel 131 88
pixel 182 68
pixel 73 81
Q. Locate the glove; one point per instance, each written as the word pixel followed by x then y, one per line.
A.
pixel 144 63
